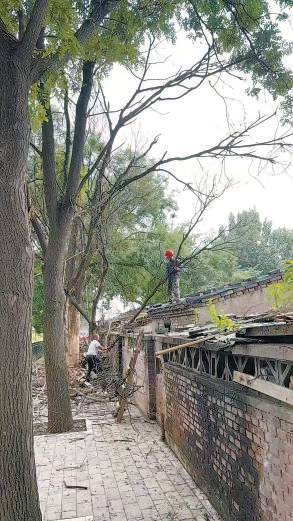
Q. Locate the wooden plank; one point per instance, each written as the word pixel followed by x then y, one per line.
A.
pixel 267 329
pixel 194 343
pixel 262 386
pixel 282 352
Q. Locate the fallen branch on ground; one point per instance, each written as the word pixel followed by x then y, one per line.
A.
pixel 79 487
pixel 128 381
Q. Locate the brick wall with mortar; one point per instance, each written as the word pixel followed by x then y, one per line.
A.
pixel 149 376
pixel 150 397
pixel 145 373
pixel 162 342
pixel 236 443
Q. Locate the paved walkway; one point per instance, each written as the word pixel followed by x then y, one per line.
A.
pixel 128 474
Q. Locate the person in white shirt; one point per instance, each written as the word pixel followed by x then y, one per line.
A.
pixel 92 356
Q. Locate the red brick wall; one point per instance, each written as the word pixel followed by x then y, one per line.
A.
pixel 237 444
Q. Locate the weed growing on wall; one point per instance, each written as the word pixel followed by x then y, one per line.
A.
pixel 222 322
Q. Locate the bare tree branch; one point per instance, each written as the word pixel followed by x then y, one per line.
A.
pixel 39 231
pixel 77 306
pixel 36 149
pixel 67 137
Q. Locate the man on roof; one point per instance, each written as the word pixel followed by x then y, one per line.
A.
pixel 173 270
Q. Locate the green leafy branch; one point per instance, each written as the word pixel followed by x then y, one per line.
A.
pixel 281 293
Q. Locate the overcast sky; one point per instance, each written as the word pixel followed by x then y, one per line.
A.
pixel 199 120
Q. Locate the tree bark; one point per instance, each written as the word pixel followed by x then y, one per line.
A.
pixel 59 407
pixel 73 329
pixel 18 486
pixel 72 314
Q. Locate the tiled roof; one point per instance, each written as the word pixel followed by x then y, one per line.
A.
pixel 186 305
pixel 216 294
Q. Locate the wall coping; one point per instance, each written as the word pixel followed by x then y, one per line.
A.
pixel 268 351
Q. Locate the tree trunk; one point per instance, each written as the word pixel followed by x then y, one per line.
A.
pixel 59 407
pixel 73 329
pixel 18 486
pixel 72 315
pixel 96 300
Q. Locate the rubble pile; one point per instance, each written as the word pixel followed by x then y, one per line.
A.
pixel 261 328
pixel 83 397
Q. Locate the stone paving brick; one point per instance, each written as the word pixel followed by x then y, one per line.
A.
pixel 138 480
pixel 129 498
pixel 145 502
pixel 150 514
pixel 101 514
pixel 133 511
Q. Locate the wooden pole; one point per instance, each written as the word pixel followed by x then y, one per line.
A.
pixel 128 380
pixel 194 343
pixel 262 386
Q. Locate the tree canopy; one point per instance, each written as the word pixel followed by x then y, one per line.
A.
pixel 111 31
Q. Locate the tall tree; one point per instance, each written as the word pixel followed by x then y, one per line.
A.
pixel 60 211
pixel 21 64
pixel 76 33
pixel 19 497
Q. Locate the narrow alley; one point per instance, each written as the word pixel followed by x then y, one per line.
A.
pixel 121 472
